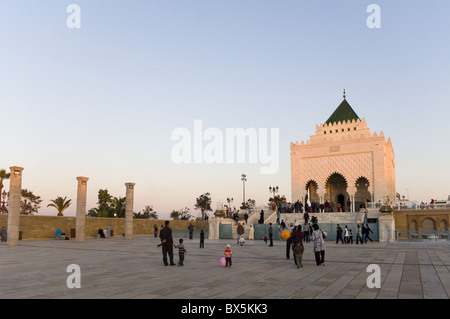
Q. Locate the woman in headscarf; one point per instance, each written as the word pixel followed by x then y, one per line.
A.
pixel 319 244
pixel 58 233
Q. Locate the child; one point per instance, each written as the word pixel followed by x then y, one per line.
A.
pixel 228 255
pixel 181 251
pixel 265 238
pixel 241 240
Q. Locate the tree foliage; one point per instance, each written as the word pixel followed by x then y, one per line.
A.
pixel 29 203
pixel 61 204
pixel 147 213
pixel 277 201
pixel 249 204
pixel 181 214
pixel 204 204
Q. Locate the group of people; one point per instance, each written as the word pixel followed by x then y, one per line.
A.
pixel 362 234
pixel 62 235
pixel 314 207
pixel 165 235
pixel 300 234
pixel 104 233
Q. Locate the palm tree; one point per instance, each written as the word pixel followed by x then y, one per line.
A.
pixel 61 204
pixel 104 202
pixel 118 207
pixel 3 176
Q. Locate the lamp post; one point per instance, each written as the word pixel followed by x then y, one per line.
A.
pixel 273 190
pixel 229 200
pixel 3 202
pixel 243 179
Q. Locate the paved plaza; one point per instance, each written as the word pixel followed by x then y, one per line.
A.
pixel 119 268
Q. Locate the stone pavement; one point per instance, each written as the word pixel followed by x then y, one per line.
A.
pixel 117 268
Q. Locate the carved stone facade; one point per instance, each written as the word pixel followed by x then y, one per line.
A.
pixel 344 162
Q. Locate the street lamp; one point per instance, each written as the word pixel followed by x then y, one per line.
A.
pixel 243 179
pixel 273 190
pixel 229 200
pixel 3 201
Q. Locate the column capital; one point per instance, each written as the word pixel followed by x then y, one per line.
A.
pixel 82 179
pixel 16 170
pixel 130 185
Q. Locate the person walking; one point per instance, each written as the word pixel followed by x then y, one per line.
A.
pixel 261 217
pixel 358 235
pixel 339 234
pixel 306 232
pixel 251 235
pixel 319 245
pixel 346 235
pixel 155 231
pixel 167 243
pixel 240 231
pixel 270 235
pixel 288 246
pixel 202 239
pixel 368 231
pixel 297 246
pixel 306 217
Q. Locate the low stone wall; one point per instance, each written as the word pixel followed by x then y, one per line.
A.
pixel 403 218
pixel 44 227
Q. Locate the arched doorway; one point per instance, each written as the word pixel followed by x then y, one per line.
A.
pixel 336 187
pixel 428 225
pixel 341 203
pixel 311 189
pixel 362 195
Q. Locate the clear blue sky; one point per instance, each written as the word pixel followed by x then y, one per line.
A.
pixel 103 100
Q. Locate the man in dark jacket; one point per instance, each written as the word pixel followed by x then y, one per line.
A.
pixel 191 231
pixel 339 234
pixel 167 243
pixel 297 240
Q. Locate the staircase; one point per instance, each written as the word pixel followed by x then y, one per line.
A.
pixel 325 218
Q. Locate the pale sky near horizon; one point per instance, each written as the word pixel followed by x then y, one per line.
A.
pixel 102 101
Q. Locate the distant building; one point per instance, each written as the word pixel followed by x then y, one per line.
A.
pixel 343 163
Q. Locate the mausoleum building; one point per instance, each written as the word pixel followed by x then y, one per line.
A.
pixel 343 163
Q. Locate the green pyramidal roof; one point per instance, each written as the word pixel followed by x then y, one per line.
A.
pixel 344 112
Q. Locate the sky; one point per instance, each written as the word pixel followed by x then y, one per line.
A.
pixel 104 100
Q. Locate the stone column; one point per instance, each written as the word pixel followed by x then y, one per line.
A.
pixel 214 228
pixel 81 209
pixel 129 211
pixel 15 194
pixel 386 224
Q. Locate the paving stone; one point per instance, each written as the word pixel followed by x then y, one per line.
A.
pixel 119 268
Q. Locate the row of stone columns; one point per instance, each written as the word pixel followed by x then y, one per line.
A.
pixel 15 194
pixel 322 194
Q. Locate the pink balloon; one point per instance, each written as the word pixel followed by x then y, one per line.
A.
pixel 223 262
